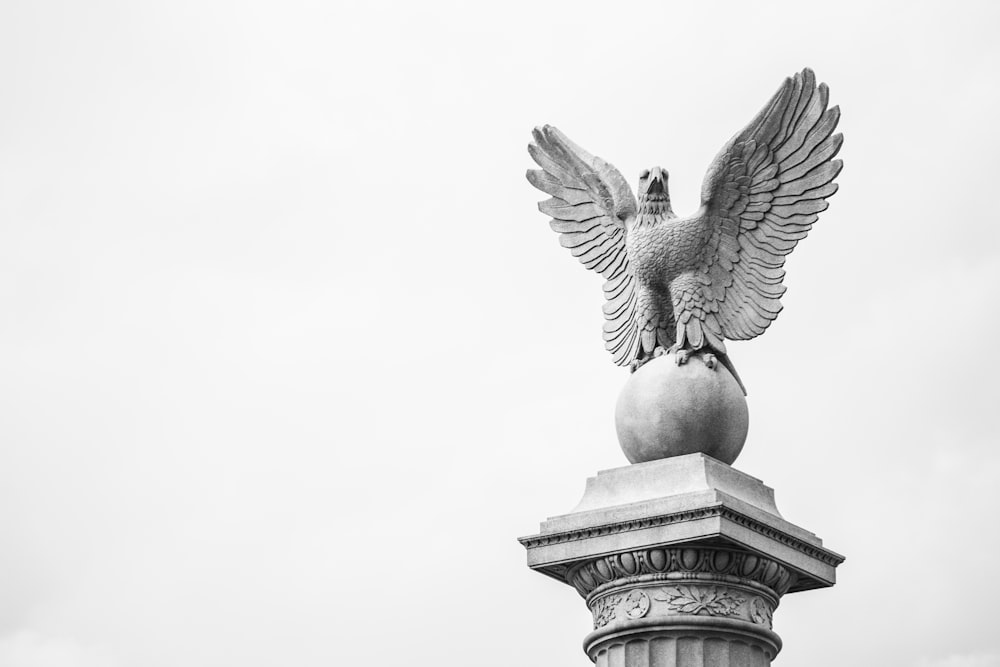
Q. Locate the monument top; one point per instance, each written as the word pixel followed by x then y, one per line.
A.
pixel 681 286
pixel 680 501
pixel 682 559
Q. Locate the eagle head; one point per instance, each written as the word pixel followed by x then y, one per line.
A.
pixel 654 198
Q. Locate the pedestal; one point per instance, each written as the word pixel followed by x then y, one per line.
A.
pixel 682 562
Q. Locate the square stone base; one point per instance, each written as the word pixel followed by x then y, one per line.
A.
pixel 691 500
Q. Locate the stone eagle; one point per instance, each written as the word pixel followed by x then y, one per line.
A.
pixel 686 284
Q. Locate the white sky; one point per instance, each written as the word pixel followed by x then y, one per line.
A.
pixel 288 358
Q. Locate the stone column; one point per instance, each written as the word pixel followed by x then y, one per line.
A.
pixel 681 606
pixel 682 562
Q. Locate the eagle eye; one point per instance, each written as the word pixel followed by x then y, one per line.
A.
pixel 644 174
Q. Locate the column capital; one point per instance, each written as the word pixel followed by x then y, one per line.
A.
pixel 682 562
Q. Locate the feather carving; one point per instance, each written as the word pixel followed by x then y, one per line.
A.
pixel 691 283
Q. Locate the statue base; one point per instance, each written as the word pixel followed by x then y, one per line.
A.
pixel 682 562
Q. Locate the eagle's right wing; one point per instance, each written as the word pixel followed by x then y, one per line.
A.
pixel 589 206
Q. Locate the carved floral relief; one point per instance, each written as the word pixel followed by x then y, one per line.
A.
pixel 605 610
pixel 636 604
pixel 693 600
pixel 760 612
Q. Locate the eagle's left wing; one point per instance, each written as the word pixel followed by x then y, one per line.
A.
pixel 761 195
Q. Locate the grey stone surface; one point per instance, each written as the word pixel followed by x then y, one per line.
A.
pixel 692 282
pixel 696 648
pixel 683 480
pixel 681 500
pixel 668 409
pixel 683 559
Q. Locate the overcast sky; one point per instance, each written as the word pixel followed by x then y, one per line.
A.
pixel 288 357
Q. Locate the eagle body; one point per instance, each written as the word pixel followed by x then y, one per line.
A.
pixel 663 251
pixel 689 283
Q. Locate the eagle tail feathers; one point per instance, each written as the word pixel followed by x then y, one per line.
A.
pixel 728 363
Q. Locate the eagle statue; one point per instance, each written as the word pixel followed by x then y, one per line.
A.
pixel 684 285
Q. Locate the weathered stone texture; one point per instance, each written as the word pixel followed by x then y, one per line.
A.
pixel 668 409
pixel 681 561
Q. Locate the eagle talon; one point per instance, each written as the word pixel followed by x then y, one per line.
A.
pixel 710 360
pixel 682 356
pixel 639 363
pixel 659 352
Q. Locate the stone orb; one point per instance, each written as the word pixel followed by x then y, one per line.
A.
pixel 668 410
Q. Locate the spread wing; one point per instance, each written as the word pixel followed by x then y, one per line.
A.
pixel 761 195
pixel 590 202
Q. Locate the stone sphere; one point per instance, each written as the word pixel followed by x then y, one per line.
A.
pixel 668 410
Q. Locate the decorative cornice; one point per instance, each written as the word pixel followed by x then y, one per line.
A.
pixel 547 539
pixel 720 511
pixel 811 550
pixel 593 577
